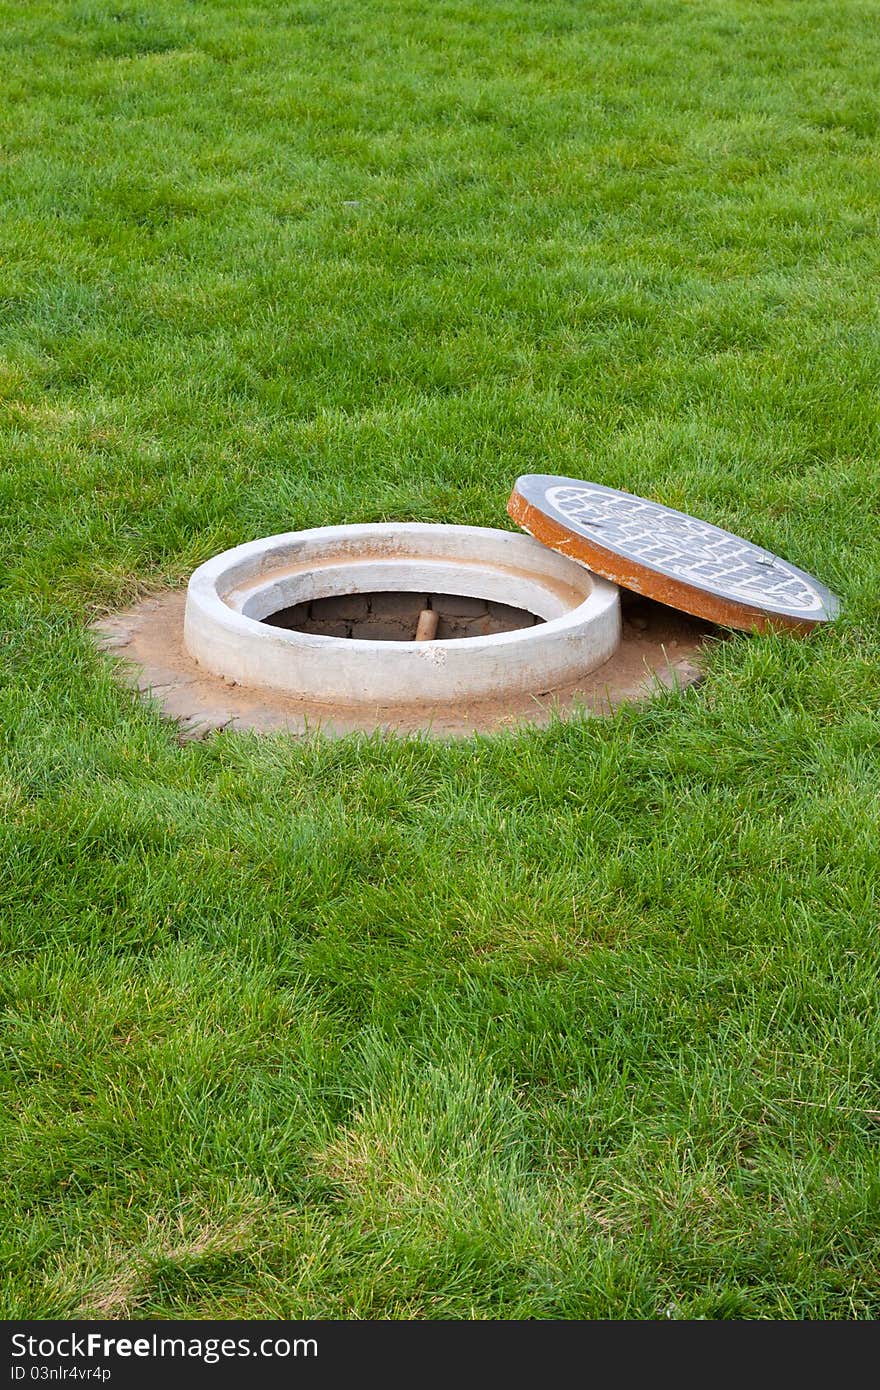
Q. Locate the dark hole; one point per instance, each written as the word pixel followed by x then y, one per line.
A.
pixel 392 617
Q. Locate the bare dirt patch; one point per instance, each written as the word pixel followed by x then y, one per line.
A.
pixel 660 648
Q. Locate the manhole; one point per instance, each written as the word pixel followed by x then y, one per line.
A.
pixel 394 617
pixel 410 627
pixel 316 630
pixel 251 615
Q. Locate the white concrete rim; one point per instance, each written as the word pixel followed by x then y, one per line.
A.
pixel 229 594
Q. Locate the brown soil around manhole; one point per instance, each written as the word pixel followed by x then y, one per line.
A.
pixel 660 648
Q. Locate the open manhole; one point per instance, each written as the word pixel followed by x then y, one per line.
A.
pixel 456 629
pixel 373 658
pixel 320 629
pixel 391 616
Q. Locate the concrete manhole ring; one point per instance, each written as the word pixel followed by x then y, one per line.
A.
pixel 544 638
pixel 230 597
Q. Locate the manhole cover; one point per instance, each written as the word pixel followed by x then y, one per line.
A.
pixel 669 556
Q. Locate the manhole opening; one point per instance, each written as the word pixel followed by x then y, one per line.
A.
pixel 393 616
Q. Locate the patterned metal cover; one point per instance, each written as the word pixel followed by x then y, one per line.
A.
pixel 669 556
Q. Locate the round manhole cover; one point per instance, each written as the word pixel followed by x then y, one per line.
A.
pixel 669 556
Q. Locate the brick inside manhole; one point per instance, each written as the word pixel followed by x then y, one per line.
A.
pixel 390 616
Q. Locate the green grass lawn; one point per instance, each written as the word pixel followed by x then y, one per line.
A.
pixel 575 1023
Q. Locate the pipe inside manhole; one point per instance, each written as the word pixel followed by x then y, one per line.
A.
pixel 517 617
